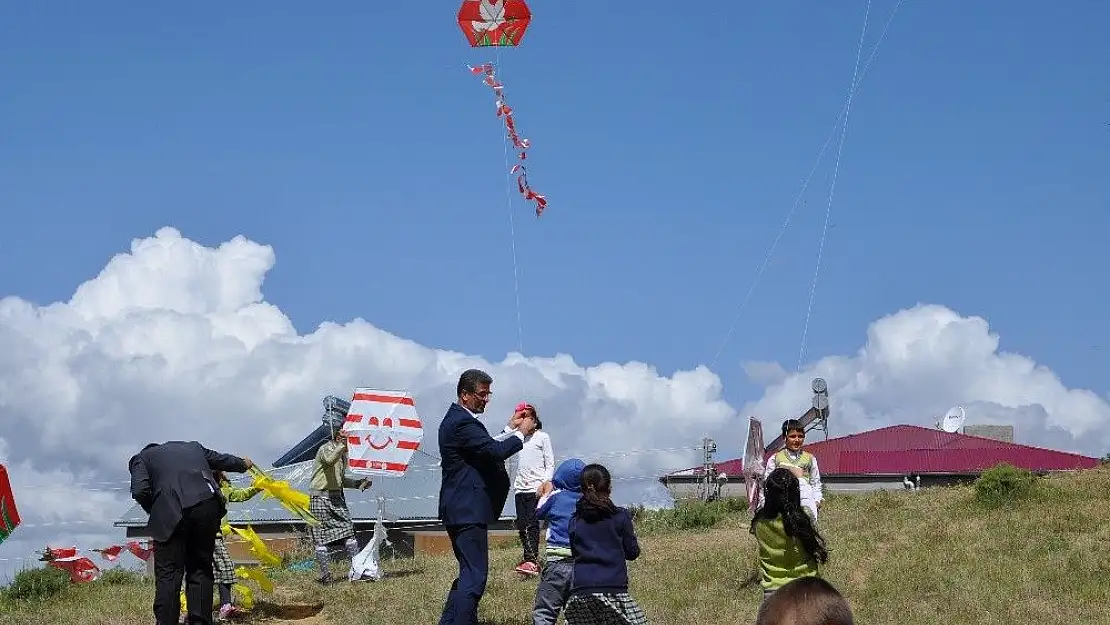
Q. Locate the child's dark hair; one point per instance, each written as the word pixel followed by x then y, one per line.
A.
pixel 595 504
pixel 792 425
pixel 783 498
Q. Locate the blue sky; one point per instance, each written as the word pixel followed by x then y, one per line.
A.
pixel 670 143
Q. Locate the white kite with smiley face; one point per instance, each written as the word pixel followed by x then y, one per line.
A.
pixel 383 431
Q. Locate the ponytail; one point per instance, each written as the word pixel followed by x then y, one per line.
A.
pixel 595 503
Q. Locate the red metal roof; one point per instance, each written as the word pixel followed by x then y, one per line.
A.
pixel 909 449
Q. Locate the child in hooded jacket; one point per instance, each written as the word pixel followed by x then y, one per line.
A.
pixel 557 508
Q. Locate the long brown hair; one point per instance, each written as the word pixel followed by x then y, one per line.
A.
pixel 597 486
pixel 782 498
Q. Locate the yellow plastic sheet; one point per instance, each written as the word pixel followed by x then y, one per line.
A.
pixel 246 595
pixel 294 500
pixel 258 576
pixel 257 547
pixel 184 604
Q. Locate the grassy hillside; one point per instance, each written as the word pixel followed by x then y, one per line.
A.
pixel 938 557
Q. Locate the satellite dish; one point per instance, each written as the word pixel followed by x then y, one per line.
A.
pixel 953 419
pixel 820 402
pixel 819 385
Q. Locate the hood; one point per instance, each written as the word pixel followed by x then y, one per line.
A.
pixel 568 475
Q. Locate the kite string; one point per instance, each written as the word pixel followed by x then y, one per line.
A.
pixel 512 238
pixel 832 187
pixel 801 192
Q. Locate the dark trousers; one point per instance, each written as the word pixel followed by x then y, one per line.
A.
pixel 553 591
pixel 187 554
pixel 528 526
pixel 471 546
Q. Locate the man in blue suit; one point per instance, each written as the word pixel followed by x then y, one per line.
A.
pixel 474 488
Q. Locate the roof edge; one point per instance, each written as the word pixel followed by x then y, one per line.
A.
pixel 698 471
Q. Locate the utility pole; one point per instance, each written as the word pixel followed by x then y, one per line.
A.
pixel 709 468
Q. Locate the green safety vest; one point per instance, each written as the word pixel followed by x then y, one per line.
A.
pixel 804 462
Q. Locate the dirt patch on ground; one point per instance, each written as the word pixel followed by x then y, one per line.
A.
pixel 289 606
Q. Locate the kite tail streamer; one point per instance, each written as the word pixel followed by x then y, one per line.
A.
pixel 505 112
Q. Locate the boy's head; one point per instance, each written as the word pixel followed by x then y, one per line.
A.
pixel 568 475
pixel 806 601
pixel 794 434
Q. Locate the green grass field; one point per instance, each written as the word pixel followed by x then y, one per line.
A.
pixel 936 557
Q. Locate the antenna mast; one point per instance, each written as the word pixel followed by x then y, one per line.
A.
pixel 709 468
pixel 821 406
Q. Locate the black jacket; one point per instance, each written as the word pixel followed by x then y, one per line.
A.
pixel 168 478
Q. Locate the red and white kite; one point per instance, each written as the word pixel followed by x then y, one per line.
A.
pixel 501 23
pixel 383 431
pixel 494 22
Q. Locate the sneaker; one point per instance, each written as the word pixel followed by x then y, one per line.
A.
pixel 226 611
pixel 324 579
pixel 530 569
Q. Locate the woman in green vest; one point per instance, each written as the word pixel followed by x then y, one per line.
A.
pixel 790 547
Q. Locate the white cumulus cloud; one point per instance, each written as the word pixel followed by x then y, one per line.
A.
pixel 173 340
pixel 919 362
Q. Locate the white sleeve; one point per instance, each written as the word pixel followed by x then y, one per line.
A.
pixel 815 480
pixel 548 459
pixel 771 466
pixel 506 433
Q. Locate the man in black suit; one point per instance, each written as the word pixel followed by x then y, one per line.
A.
pixel 174 483
pixel 474 489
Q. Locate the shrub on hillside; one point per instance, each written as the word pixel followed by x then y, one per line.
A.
pixel 687 515
pixel 1003 484
pixel 37 584
pixel 120 577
